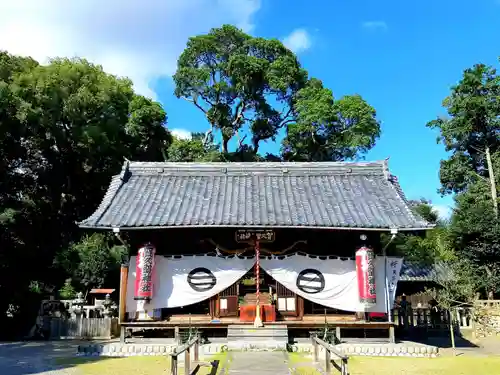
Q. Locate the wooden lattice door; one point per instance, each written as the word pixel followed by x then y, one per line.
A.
pixel 228 301
pixel 286 301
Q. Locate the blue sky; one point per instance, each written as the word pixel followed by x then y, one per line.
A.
pixel 402 57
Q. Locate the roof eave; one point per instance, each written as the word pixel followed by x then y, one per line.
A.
pixel 372 229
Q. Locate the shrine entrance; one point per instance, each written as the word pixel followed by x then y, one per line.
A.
pixel 240 299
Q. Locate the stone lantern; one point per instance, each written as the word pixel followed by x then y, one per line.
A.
pixel 110 307
pixel 77 306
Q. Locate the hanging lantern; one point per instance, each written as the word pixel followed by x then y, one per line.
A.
pixel 365 272
pixel 144 272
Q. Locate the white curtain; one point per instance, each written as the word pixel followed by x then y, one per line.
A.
pixel 333 282
pixel 184 281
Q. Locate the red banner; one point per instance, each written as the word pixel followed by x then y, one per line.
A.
pixel 365 271
pixel 144 272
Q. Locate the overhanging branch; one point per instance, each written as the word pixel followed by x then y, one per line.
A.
pixel 195 103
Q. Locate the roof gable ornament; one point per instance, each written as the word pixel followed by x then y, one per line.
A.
pixel 387 174
pixel 125 173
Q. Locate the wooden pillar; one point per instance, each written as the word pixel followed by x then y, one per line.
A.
pixel 122 334
pixel 392 336
pixel 300 307
pixel 197 351
pixel 315 350
pixel 122 309
pixel 328 361
pixel 173 364
pixel 123 292
pixel 187 361
pixel 177 335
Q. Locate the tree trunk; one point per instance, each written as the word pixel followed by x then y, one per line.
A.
pixel 452 332
pixel 493 185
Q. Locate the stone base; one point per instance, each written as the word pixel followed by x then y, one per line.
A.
pixel 404 349
pixel 115 349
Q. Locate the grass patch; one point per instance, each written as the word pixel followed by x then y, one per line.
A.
pixel 123 366
pixel 424 366
pixel 462 365
pixel 295 357
pixel 306 371
pixel 147 365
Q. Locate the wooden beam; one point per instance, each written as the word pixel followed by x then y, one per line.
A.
pixel 392 336
pixel 123 293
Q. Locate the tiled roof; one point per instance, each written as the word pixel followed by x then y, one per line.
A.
pixel 418 272
pixel 327 195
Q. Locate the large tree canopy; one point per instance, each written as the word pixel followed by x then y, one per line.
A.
pixel 257 86
pixel 471 133
pixel 65 129
pixel 238 80
pixel 471 129
pixel 329 130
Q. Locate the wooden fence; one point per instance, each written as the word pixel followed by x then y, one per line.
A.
pixel 489 303
pixel 424 320
pixel 84 328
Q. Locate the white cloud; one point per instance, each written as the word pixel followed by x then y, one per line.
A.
pixel 375 25
pixel 443 211
pixel 298 41
pixel 138 39
pixel 181 133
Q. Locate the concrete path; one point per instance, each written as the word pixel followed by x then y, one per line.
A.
pixel 24 358
pixel 251 363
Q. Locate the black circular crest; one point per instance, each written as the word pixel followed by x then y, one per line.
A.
pixel 311 281
pixel 201 279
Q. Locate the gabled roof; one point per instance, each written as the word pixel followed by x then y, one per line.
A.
pixel 412 271
pixel 292 195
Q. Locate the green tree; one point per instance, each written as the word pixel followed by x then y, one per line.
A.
pixel 65 129
pixel 237 80
pixel 470 134
pixel 192 150
pixel 243 83
pixel 67 291
pixel 92 261
pixel 326 129
pixel 426 211
pixel 429 247
pixel 457 288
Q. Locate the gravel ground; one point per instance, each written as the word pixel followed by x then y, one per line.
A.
pixel 23 358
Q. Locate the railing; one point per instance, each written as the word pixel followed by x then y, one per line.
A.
pixel 489 303
pixel 428 320
pixel 329 352
pixel 186 349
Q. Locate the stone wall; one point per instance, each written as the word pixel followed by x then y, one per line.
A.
pixel 487 321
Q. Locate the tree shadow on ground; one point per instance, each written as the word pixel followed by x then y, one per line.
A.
pixel 445 341
pixel 35 357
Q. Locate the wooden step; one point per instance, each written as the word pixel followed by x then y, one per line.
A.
pixel 272 332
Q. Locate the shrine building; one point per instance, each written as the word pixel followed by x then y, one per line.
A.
pixel 220 244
